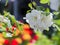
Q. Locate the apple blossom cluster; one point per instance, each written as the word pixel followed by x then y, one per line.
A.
pixel 39 20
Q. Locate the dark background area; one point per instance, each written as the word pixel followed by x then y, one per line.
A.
pixel 18 8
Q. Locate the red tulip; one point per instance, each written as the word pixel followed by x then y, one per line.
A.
pixel 14 42
pixel 6 42
pixel 29 31
pixel 35 37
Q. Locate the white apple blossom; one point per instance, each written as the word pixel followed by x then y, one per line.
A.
pixel 5 20
pixel 38 20
pixel 8 34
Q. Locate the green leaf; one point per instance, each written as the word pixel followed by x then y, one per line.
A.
pixel 34 3
pixel 4 34
pixel 19 25
pixel 6 13
pixel 9 16
pixel 28 11
pixel 47 10
pixel 55 13
pixel 44 1
pixel 13 19
pixel 57 21
pixel 3 29
pixel 58 28
pixel 30 5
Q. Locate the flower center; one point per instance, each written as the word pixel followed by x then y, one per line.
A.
pixel 43 19
pixel 35 18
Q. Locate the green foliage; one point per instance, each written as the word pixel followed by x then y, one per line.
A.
pixel 43 40
pixel 19 26
pixel 56 13
pixel 58 28
pixel 40 8
pixel 57 22
pixel 11 17
pixel 28 11
pixel 30 5
pixel 44 1
pixel 56 38
pixel 47 10
pixel 34 3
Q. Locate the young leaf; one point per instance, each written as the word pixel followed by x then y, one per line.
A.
pixel 30 5
pixel 58 28
pixel 44 1
pixel 57 22
pixel 34 3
